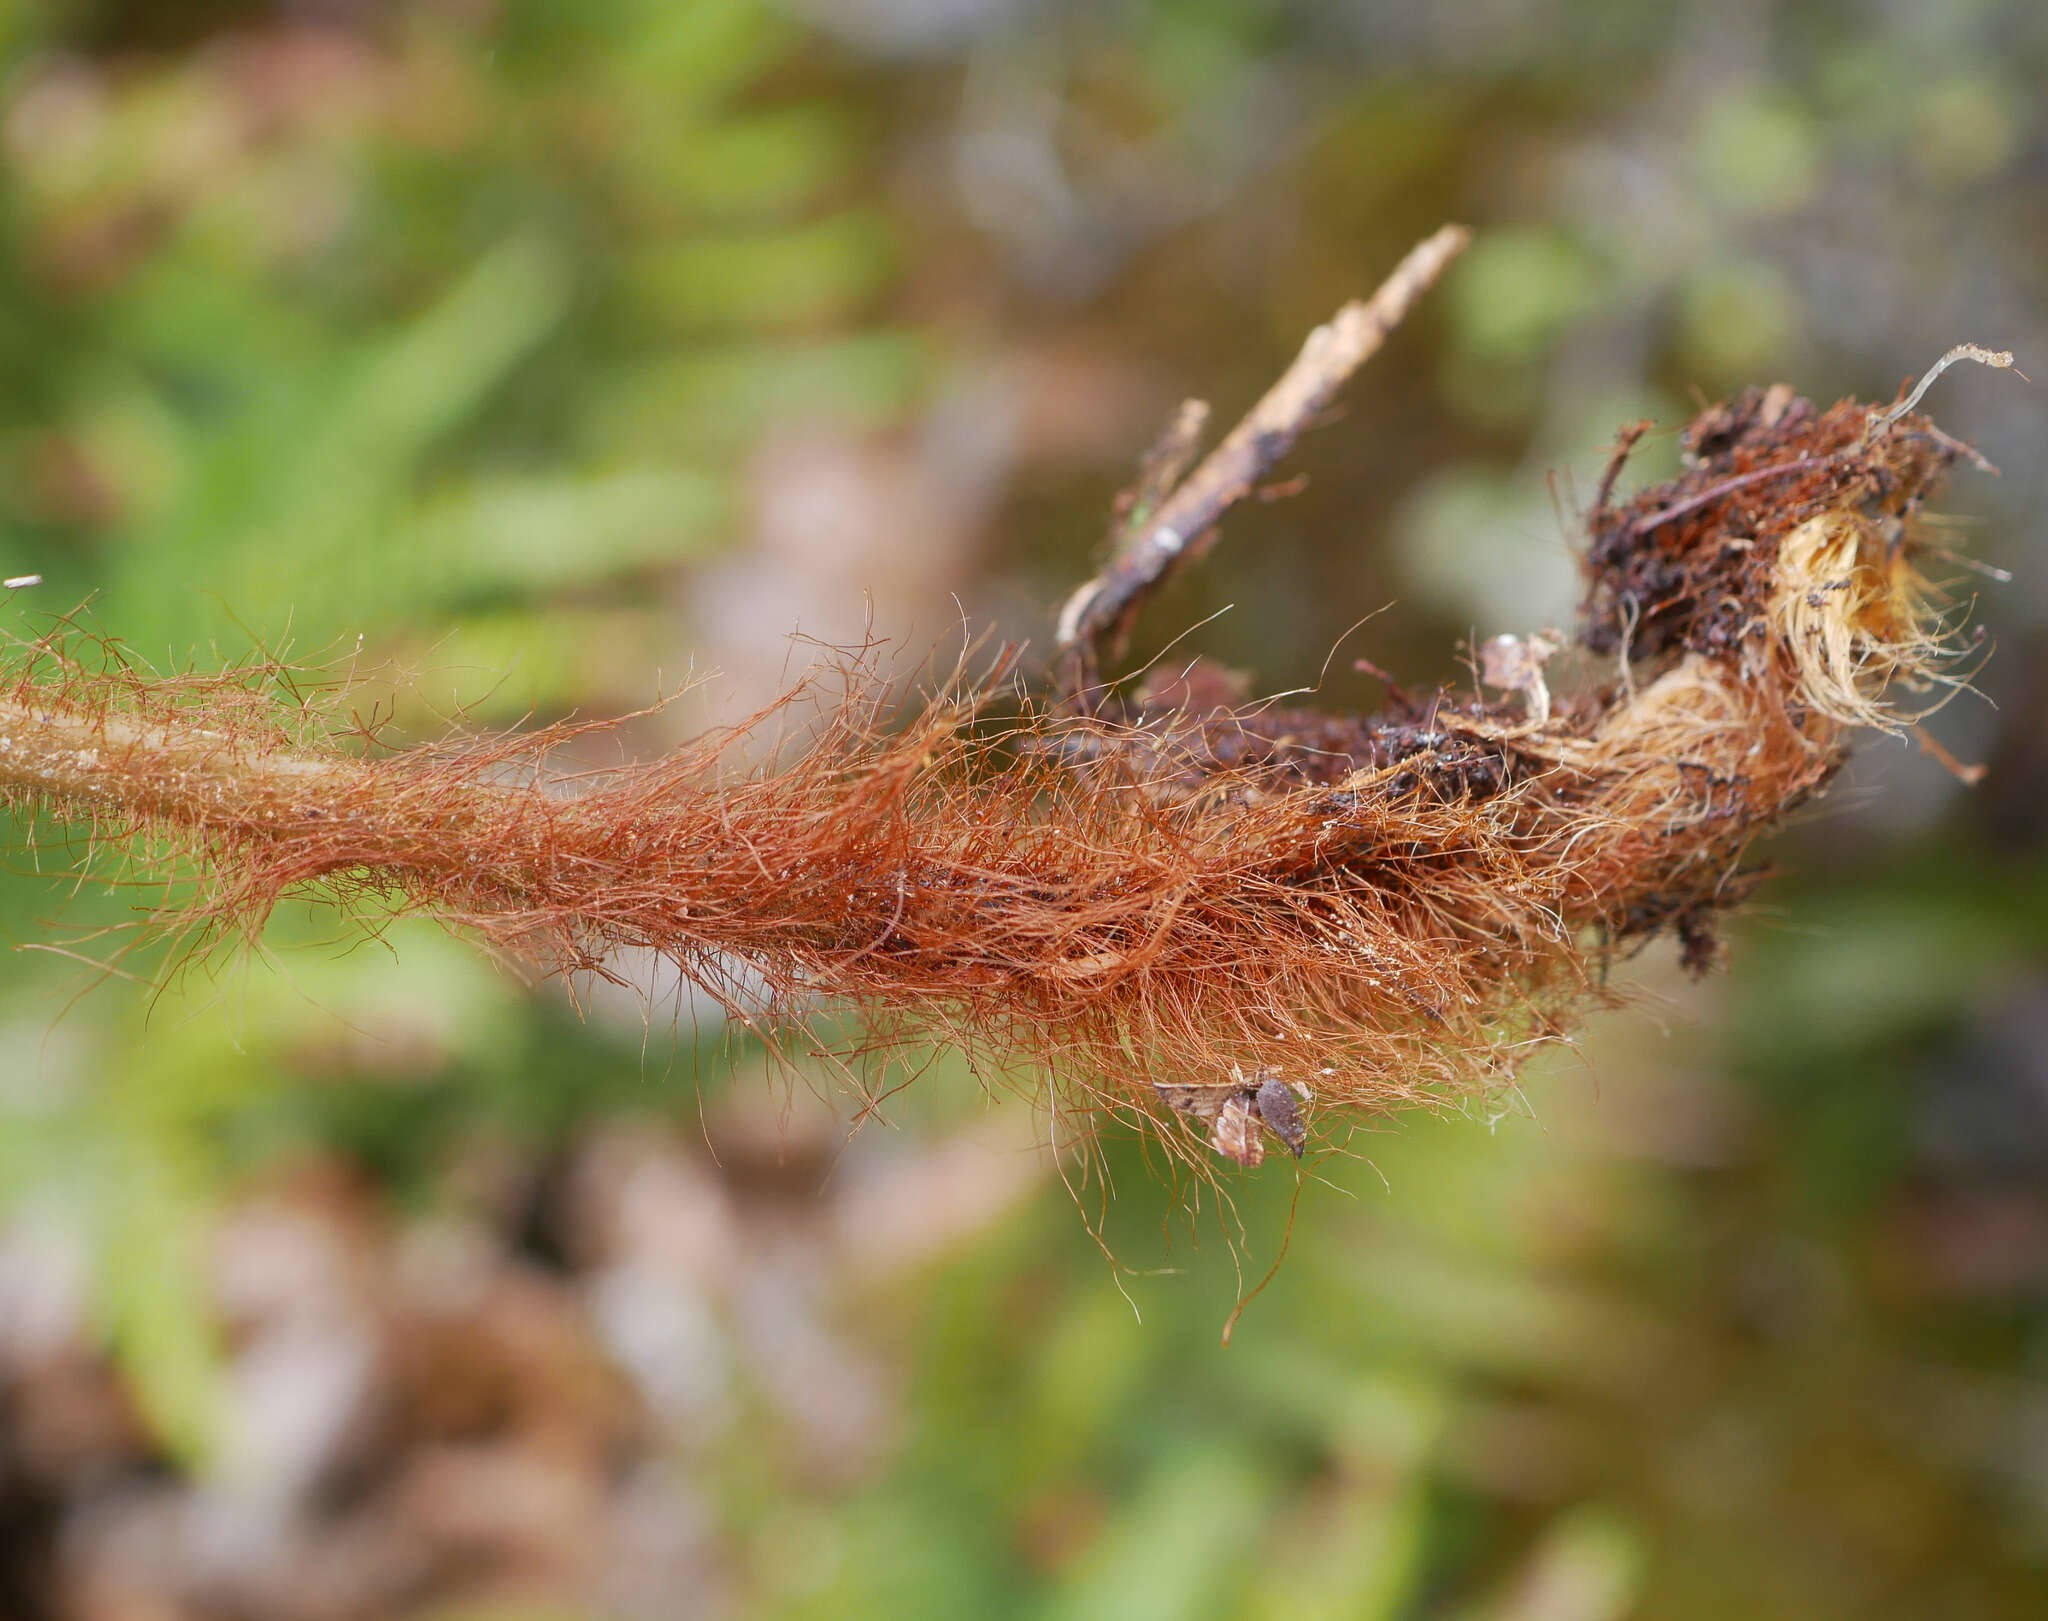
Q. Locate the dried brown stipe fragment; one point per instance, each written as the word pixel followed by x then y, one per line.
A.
pixel 1149 895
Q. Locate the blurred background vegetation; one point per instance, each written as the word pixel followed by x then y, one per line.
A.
pixel 551 352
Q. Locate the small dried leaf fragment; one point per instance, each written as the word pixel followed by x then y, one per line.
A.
pixel 1239 1111
pixel 1202 1100
pixel 1512 663
pixel 1238 1131
pixel 1275 1100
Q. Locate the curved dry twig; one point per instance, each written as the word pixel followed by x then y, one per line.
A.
pixel 1176 527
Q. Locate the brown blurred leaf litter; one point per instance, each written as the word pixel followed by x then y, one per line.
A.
pixel 1132 885
pixel 425 1415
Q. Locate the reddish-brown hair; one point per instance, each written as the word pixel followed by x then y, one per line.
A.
pixel 1169 886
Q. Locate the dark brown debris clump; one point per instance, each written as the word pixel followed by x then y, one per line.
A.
pixel 1692 564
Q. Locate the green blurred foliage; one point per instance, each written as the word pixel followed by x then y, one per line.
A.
pixel 316 341
pixel 304 343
